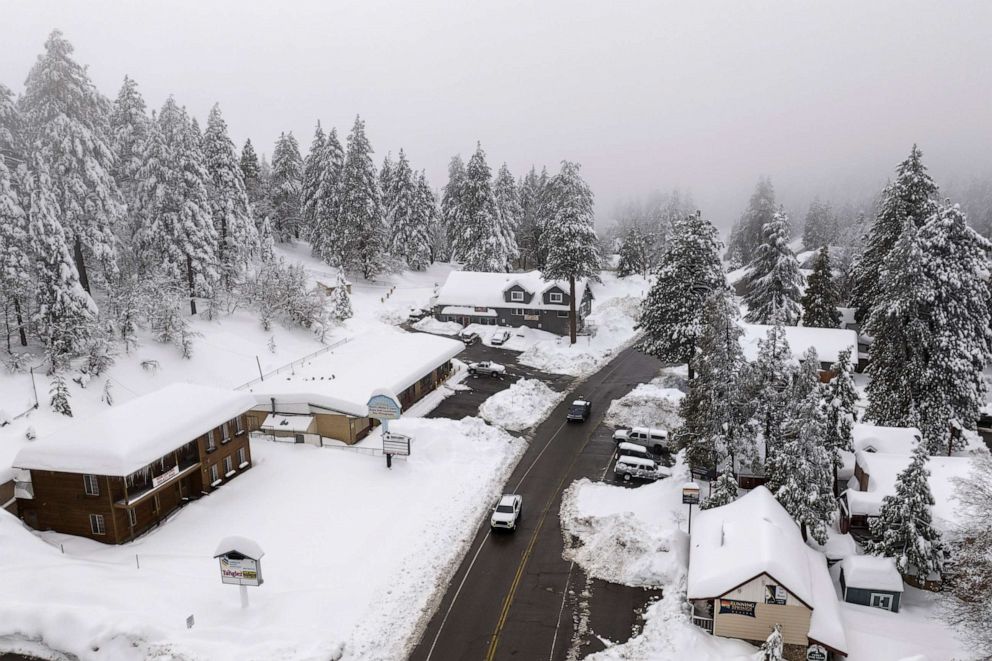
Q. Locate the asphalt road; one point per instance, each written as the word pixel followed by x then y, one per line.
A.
pixel 514 596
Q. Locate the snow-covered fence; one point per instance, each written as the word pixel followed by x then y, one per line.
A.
pixel 292 365
pixel 7 417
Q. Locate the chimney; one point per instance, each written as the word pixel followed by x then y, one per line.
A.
pixel 273 400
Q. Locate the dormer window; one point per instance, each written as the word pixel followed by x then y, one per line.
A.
pixel 555 297
pixel 516 296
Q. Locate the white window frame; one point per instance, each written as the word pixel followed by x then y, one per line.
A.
pixel 556 297
pixel 91 485
pixel 875 597
pixel 211 441
pixel 239 425
pixel 98 525
pixel 242 456
pixel 132 518
pixel 517 296
pixel 563 314
pixel 214 473
pixel 225 432
pixel 228 465
pixel 517 312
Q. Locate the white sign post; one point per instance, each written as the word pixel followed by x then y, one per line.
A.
pixel 240 564
pixel 383 406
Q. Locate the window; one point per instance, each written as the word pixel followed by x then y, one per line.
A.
pixel 214 474
pixel 242 457
pixel 132 518
pixel 226 434
pixel 517 312
pixel 516 296
pixel 90 485
pixel 239 425
pixel 881 601
pixel 563 314
pixel 97 526
pixel 555 297
pixel 228 466
pixel 211 441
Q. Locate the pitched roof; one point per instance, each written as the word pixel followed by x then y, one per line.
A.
pixel 479 289
pixel 874 438
pixel 828 342
pixel 871 572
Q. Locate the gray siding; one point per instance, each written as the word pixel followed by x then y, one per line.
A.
pixel 862 596
pixel 547 320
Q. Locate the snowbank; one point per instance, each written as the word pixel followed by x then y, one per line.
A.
pixel 357 545
pixel 523 405
pixel 647 405
pixel 432 325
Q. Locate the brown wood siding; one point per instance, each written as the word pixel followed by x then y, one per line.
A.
pixel 794 620
pixel 60 503
pixel 6 495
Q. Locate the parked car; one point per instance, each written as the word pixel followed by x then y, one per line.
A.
pixel 654 439
pixel 507 512
pixel 579 411
pixel 468 337
pixel 625 449
pixel 486 368
pixel 629 468
pixel 499 338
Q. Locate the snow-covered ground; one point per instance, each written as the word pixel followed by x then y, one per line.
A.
pixel 521 406
pixel 354 554
pixel 648 405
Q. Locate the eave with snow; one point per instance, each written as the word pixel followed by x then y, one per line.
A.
pixel 828 342
pixel 749 570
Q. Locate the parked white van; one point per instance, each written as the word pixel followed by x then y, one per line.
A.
pixel 628 468
pixel 625 449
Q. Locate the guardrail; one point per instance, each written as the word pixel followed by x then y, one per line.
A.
pixel 292 365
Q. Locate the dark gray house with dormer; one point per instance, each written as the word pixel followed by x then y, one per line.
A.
pixel 510 299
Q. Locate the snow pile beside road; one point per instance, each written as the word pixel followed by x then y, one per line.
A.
pixel 647 405
pixel 432 325
pixel 611 327
pixel 521 406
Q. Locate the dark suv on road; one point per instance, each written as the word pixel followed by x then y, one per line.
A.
pixel 579 411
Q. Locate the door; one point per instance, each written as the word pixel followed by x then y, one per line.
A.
pixel 300 438
pixel 883 601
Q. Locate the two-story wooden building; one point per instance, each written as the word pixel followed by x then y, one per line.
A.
pixel 511 299
pixel 118 473
pixel 749 570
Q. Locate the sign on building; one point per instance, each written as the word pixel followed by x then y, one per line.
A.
pixel 816 653
pixel 736 607
pixel 775 594
pixel 165 477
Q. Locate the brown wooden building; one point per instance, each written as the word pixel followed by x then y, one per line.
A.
pixel 115 475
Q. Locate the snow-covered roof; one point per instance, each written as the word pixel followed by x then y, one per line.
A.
pixel 242 545
pixel 343 379
pixel 292 423
pixel 871 572
pixel 467 311
pixel 883 470
pixel 873 438
pixel 754 535
pixel 129 436
pixel 828 342
pixel 476 289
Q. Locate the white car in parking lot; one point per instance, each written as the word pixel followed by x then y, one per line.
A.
pixel 506 514
pixel 655 440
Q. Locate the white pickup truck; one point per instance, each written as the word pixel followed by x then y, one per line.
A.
pixel 628 468
pixel 486 368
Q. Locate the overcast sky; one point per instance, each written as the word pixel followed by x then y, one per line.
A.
pixel 823 97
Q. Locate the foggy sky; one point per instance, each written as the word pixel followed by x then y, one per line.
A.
pixel 825 97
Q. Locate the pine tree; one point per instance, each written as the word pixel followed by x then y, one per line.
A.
pixel 767 383
pixel 361 228
pixel 59 392
pixel 821 298
pixel 237 237
pixel 690 271
pixel 904 527
pixel 799 473
pixel 570 234
pixel 633 253
pixel 11 129
pixel 840 399
pixel 773 278
pixel 286 185
pixel 748 233
pixel 251 173
pixel 326 228
pixel 715 427
pixel 773 649
pixel 66 121
pixel 479 242
pixel 387 181
pixel 724 491
pixel 313 172
pixel 911 197
pixel 821 228
pixel 339 302
pixel 430 219
pixel 65 311
pixel 406 219
pixel 530 228
pixel 452 206
pixel 508 203
pixel 266 244
pixel 128 132
pixel 16 280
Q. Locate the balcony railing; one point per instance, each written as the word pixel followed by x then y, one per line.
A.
pixel 704 623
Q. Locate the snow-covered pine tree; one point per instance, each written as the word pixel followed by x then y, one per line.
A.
pixel 904 528
pixel 773 278
pixel 16 280
pixel 452 206
pixel 966 589
pixel 65 312
pixel 840 399
pixel 437 239
pixel 66 123
pixel 508 203
pixel 313 170
pixel 570 234
pixel 821 228
pixel 387 181
pixel 128 131
pixel 107 397
pixel 59 396
pixel 715 417
pixel 323 234
pixel 339 301
pixel 480 244
pixel 361 231
pixel 11 129
pixel 251 173
pixel 237 236
pixel 767 384
pixel 773 649
pixel 285 187
pixel 748 233
pixel 821 298
pixel 724 491
pixel 408 229
pixel 690 270
pixel 800 473
pixel 911 197
pixel 266 243
pixel 633 253
pixel 530 229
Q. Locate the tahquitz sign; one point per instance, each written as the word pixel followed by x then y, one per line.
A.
pixel 240 571
pixel 383 407
pixel 735 607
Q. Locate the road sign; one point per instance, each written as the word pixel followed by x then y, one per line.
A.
pixel 690 493
pixel 396 444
